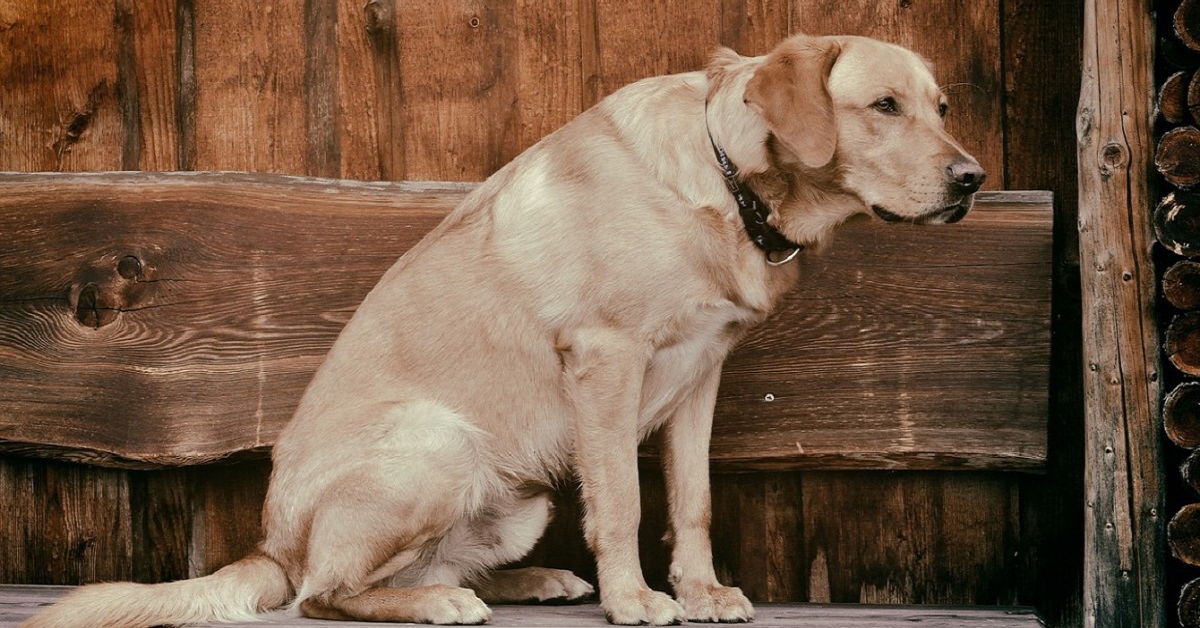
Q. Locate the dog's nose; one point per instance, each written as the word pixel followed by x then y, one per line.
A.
pixel 966 174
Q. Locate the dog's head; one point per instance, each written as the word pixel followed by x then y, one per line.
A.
pixel 870 115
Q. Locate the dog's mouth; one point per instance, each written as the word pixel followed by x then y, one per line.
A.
pixel 944 216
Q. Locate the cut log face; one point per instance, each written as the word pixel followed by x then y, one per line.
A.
pixel 1183 534
pixel 1192 97
pixel 1178 156
pixel 1190 470
pixel 1181 415
pixel 1177 223
pixel 1189 604
pixel 1173 98
pixel 1183 344
pixel 1181 285
pixel 1187 23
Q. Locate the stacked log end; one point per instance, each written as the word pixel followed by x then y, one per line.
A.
pixel 1177 228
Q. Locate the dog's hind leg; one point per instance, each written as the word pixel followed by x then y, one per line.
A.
pixel 385 515
pixel 505 535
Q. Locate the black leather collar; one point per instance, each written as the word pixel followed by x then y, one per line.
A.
pixel 778 249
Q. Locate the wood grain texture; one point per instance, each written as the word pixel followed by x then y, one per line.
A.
pixel 250 95
pixel 20 602
pixel 876 545
pixel 1177 223
pixel 931 355
pixel 1124 551
pixel 1181 285
pixel 1181 414
pixel 219 297
pixel 71 523
pixel 1181 346
pixel 147 79
pixel 1178 156
pixel 59 105
pixel 226 522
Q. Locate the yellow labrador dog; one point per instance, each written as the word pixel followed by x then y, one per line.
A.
pixel 581 298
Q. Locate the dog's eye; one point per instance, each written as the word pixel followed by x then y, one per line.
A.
pixel 943 109
pixel 886 105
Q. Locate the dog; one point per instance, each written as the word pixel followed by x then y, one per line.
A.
pixel 582 297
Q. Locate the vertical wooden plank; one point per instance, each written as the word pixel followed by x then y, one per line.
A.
pixel 63 523
pixel 916 538
pixel 320 84
pixel 58 87
pixel 641 39
pixel 147 83
pixel 370 123
pixel 655 552
pixel 784 536
pixel 250 96
pixel 1041 69
pixel 635 40
pixel 160 521
pixel 757 536
pixel 549 68
pixel 1123 535
pixel 753 27
pixel 227 512
pixel 185 94
pixel 460 119
pixel 961 39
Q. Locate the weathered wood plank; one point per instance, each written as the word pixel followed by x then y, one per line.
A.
pixel 73 524
pixel 59 108
pixel 459 117
pixel 1123 471
pixel 250 111
pixel 872 543
pixel 147 80
pixel 904 348
pixel 20 602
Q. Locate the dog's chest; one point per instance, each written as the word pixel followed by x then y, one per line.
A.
pixel 693 344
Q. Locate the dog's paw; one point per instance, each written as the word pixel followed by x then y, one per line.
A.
pixel 454 605
pixel 714 603
pixel 640 607
pixel 533 585
pixel 560 585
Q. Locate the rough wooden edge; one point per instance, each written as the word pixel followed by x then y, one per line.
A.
pixel 17 602
pixel 1124 544
pixel 212 177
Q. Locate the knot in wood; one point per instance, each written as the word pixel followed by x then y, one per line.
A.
pixel 1114 156
pixel 92 307
pixel 129 267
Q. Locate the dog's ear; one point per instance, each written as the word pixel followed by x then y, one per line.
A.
pixel 790 90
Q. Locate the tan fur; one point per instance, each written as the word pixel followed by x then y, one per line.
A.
pixel 583 296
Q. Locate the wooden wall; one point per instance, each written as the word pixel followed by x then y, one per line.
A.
pixel 383 89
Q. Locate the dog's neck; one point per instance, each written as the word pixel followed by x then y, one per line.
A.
pixel 754 211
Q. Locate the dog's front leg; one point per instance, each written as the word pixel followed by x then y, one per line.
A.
pixel 686 465
pixel 603 372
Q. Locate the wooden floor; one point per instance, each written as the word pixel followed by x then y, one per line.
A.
pixel 18 602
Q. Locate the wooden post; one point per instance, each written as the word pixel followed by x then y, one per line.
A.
pixel 1123 535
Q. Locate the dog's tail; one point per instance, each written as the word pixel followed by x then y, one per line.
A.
pixel 235 593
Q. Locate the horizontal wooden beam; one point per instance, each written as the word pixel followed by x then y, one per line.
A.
pixel 175 318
